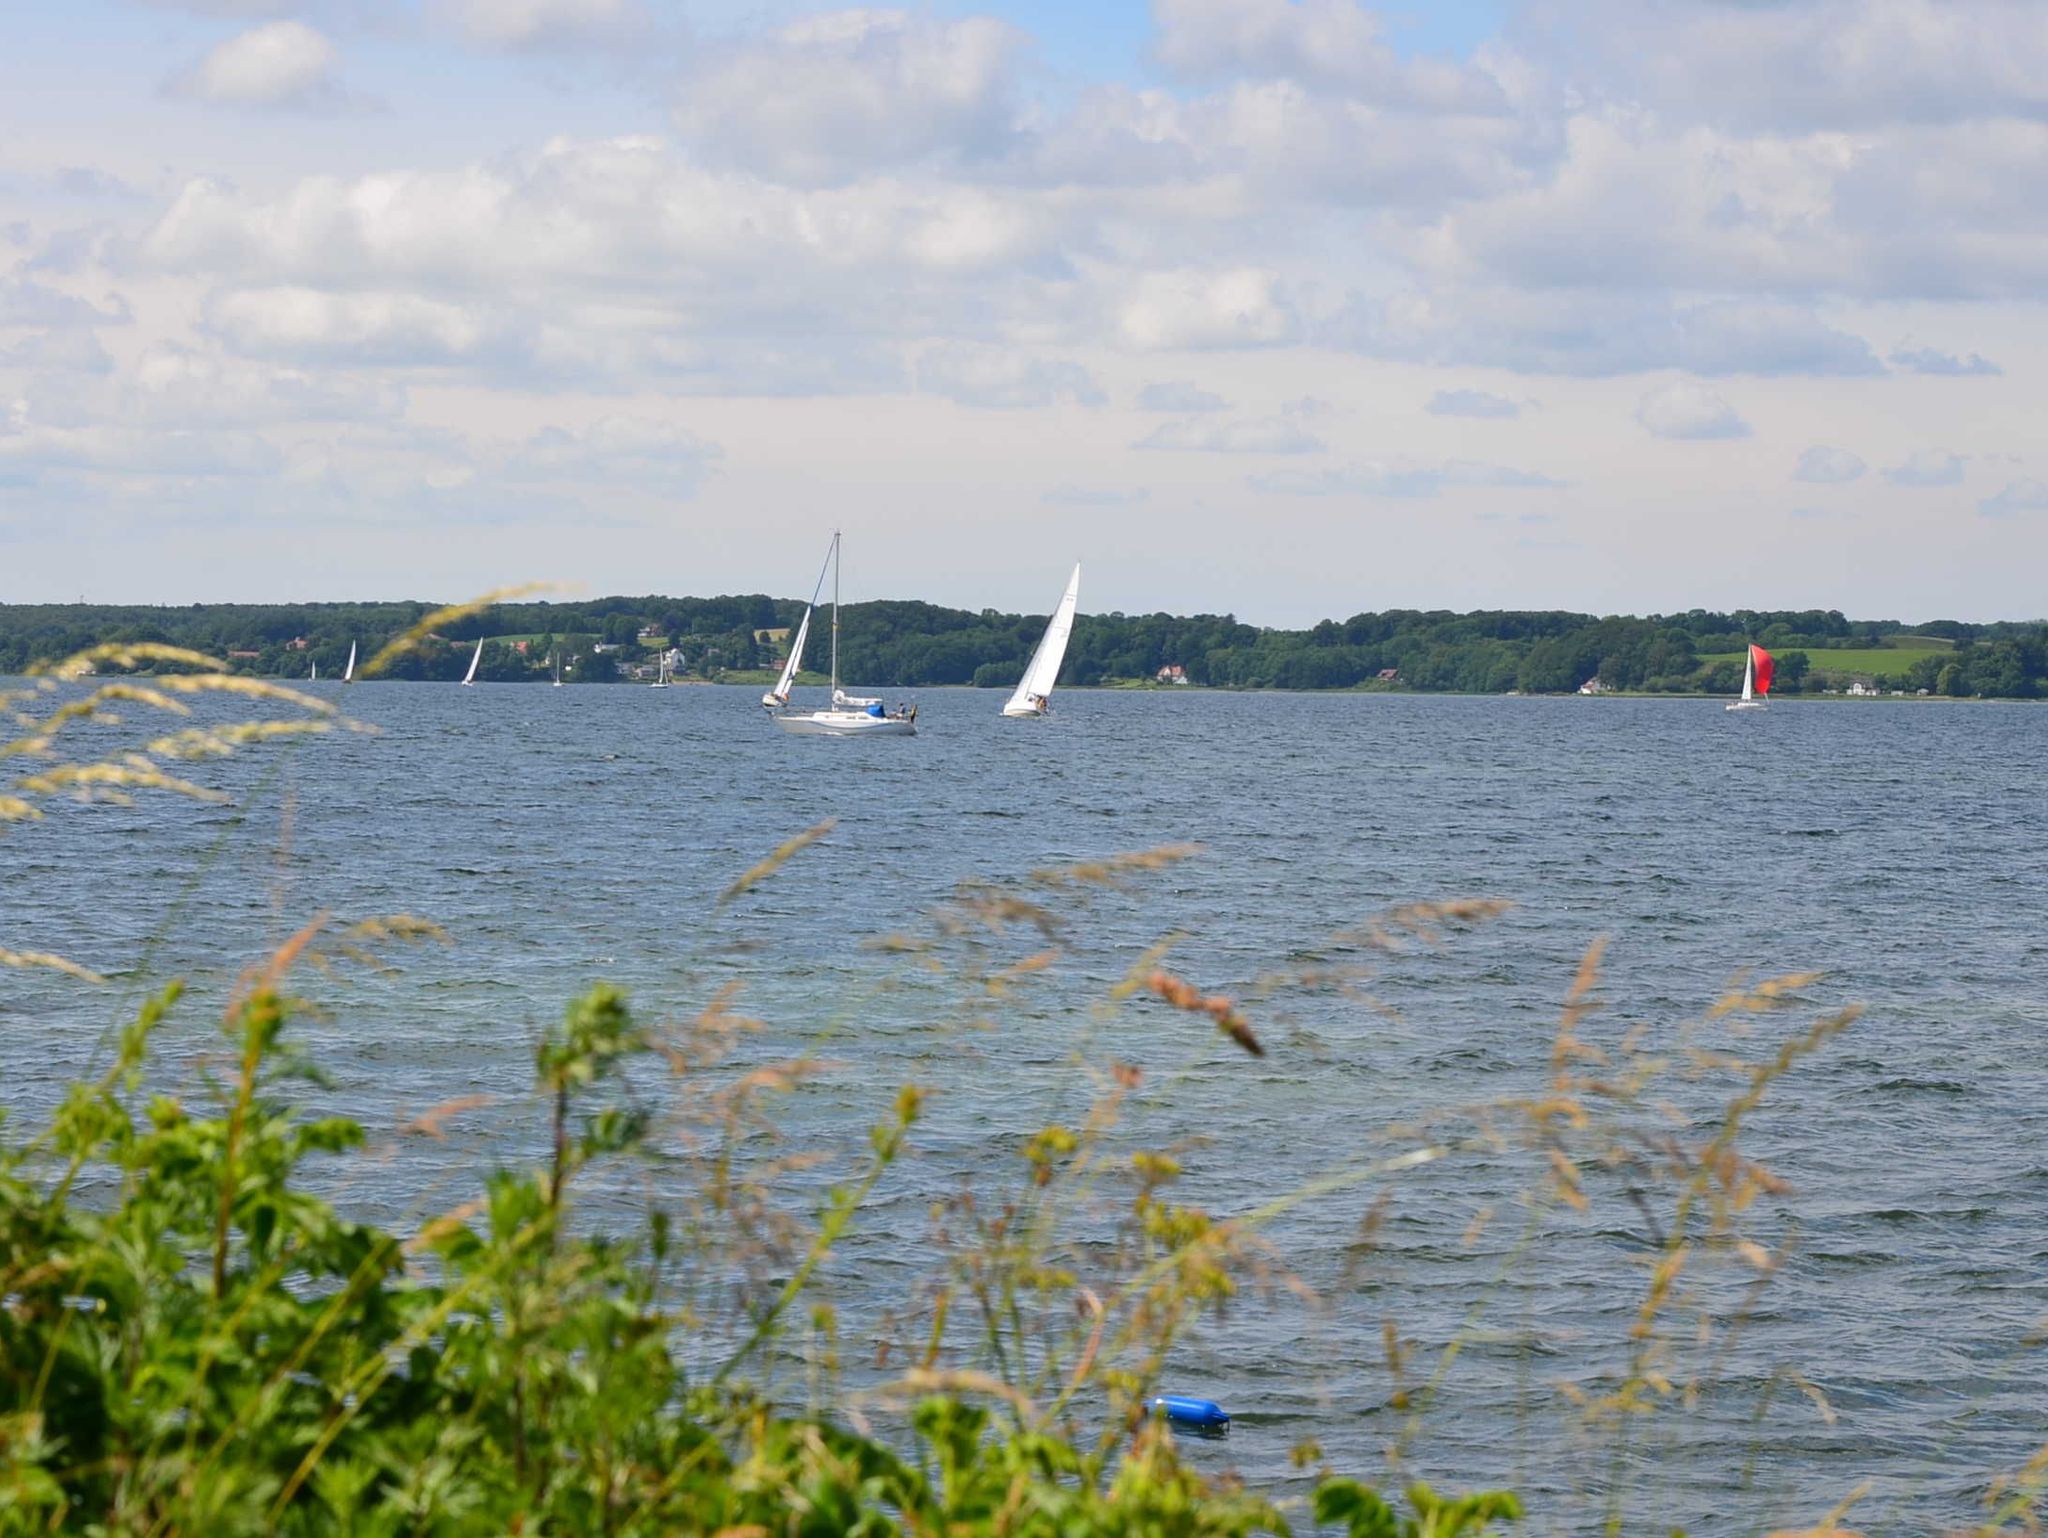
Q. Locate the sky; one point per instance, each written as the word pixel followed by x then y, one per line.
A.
pixel 1281 308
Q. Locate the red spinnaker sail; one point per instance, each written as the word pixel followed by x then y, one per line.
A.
pixel 1761 660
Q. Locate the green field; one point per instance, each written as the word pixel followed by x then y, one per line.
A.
pixel 1875 661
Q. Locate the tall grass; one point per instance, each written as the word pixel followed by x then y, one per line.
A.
pixel 193 1341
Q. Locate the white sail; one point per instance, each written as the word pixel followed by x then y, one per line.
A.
pixel 1043 671
pixel 1748 675
pixel 779 695
pixel 348 673
pixel 475 657
pixel 555 661
pixel 316 674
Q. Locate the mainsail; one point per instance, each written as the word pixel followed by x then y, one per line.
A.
pixel 475 657
pixel 348 673
pixel 1043 671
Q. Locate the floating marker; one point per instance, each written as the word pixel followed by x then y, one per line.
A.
pixel 1185 1411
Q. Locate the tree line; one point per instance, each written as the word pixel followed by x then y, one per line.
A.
pixel 905 643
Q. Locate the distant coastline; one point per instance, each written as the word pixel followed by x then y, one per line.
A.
pixel 902 644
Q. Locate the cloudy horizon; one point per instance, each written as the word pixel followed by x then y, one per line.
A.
pixel 1287 308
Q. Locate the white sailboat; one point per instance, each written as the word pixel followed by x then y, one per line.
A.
pixel 475 657
pixel 848 715
pixel 1757 669
pixel 661 674
pixel 315 677
pixel 555 657
pixel 348 674
pixel 1034 690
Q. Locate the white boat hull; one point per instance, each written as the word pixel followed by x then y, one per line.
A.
pixel 1747 705
pixel 1024 712
pixel 845 723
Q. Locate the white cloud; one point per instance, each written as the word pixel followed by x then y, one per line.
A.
pixel 852 92
pixel 24 302
pixel 1930 360
pixel 33 450
pixel 173 386
pixel 532 23
pixel 1471 403
pixel 1834 64
pixel 1002 377
pixel 1286 433
pixel 628 215
pixel 69 350
pixel 1179 395
pixel 306 323
pixel 1330 43
pixel 1827 466
pixel 1196 309
pixel 1927 467
pixel 1683 409
pixel 1398 478
pixel 279 64
pixel 641 451
pixel 2026 495
pixel 1540 330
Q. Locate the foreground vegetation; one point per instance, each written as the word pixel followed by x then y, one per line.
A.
pixel 903 644
pixel 197 1337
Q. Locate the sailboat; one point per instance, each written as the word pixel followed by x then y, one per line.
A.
pixel 348 674
pixel 1034 690
pixel 315 678
pixel 849 715
pixel 555 657
pixel 661 674
pixel 1756 680
pixel 475 657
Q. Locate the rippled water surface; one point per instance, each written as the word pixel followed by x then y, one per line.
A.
pixel 568 835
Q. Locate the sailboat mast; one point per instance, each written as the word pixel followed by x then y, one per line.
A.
pixel 835 615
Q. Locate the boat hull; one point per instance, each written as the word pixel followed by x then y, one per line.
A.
pixel 1024 712
pixel 1747 705
pixel 845 723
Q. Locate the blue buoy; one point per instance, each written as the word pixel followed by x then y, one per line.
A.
pixel 1182 1410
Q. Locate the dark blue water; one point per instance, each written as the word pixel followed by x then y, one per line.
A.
pixel 563 836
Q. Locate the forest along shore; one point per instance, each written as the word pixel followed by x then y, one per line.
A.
pixel 908 644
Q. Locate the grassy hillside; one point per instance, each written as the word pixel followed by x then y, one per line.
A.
pixel 1891 660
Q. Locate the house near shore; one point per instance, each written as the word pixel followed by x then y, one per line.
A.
pixel 1592 686
pixel 1865 687
pixel 1389 675
pixel 1172 673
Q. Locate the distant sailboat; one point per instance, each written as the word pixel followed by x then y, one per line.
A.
pixel 348 674
pixel 1034 690
pixel 556 658
pixel 661 674
pixel 315 678
pixel 475 657
pixel 848 715
pixel 1756 680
